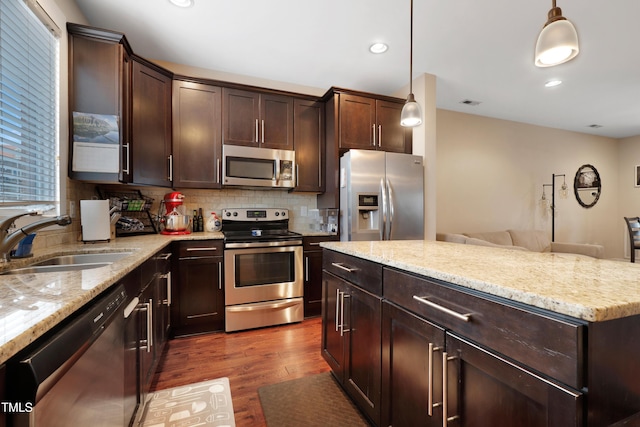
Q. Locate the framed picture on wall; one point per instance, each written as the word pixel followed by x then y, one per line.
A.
pixel 637 176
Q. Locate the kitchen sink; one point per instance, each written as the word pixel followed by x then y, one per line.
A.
pixel 70 262
pixel 81 259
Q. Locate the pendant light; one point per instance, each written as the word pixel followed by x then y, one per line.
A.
pixel 411 114
pixel 558 40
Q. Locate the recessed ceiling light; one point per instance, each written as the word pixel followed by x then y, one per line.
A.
pixel 553 83
pixel 182 3
pixel 378 48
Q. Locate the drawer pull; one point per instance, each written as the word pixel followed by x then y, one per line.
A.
pixel 342 267
pixel 463 317
pixel 445 390
pixel 314 244
pixel 201 249
pixel 430 404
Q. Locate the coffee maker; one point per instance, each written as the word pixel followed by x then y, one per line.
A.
pixel 172 214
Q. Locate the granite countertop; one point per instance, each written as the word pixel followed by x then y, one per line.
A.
pixel 31 304
pixel 587 288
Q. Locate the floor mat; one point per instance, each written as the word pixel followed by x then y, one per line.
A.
pixel 317 400
pixel 207 403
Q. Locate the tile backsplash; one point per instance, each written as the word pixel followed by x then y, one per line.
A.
pixel 299 205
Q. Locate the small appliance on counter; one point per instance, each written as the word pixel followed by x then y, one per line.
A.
pixel 95 220
pixel 174 219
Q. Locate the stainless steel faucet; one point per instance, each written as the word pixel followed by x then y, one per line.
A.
pixel 9 240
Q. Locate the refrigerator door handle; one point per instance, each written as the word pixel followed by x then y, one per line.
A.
pixel 391 209
pixel 383 221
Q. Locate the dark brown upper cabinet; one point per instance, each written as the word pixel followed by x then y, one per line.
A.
pixel 99 83
pixel 372 124
pixel 197 135
pixel 257 119
pixel 151 125
pixel 106 78
pixel 308 136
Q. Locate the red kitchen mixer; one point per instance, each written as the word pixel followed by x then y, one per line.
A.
pixel 174 219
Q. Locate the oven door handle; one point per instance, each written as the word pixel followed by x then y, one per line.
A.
pixel 262 244
pixel 264 306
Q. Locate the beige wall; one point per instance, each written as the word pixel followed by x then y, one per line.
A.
pixel 628 159
pixel 490 176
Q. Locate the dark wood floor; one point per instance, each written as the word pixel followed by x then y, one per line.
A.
pixel 250 359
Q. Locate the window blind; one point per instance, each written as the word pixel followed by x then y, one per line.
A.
pixel 28 107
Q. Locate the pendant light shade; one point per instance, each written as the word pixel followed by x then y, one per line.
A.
pixel 411 114
pixel 558 40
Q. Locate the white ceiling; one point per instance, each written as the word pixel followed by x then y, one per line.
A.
pixel 478 50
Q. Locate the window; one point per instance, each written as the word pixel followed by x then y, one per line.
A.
pixel 28 105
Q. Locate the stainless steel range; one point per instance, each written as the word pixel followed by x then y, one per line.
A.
pixel 263 269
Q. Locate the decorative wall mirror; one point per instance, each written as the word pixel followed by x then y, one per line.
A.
pixel 587 186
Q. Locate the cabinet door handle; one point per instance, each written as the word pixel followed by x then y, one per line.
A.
pixel 220 275
pixel 263 131
pixel 257 138
pixel 430 404
pixel 337 310
pixel 168 277
pixel 379 135
pixel 423 300
pixel 126 170
pixel 170 177
pixel 306 269
pixel 218 171
pixel 150 325
pixel 342 267
pixel 445 389
pixel 374 134
pixel 342 329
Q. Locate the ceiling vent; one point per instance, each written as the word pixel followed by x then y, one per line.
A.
pixel 470 102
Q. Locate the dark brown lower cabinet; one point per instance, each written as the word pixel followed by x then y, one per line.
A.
pixel 198 305
pixel 429 374
pixel 486 389
pixel 351 341
pixel 411 348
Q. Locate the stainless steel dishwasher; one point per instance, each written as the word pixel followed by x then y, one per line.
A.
pixel 76 377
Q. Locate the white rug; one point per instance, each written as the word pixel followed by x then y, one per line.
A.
pixel 202 404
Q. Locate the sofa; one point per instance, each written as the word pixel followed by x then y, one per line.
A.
pixel 524 240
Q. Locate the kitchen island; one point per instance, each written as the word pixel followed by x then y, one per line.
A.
pixel 418 331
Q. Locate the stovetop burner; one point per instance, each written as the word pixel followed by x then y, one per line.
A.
pixel 257 225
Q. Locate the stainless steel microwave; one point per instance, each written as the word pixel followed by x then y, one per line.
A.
pixel 258 167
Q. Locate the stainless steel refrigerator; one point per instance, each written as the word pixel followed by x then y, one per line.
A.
pixel 381 196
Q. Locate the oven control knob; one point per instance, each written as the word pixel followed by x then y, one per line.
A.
pixel 227 213
pixel 277 213
pixel 284 213
pixel 235 213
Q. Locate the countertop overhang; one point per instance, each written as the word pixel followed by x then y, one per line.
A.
pixel 590 289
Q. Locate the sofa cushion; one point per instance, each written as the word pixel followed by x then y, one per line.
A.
pixel 497 237
pixel 534 240
pixel 451 237
pixel 479 242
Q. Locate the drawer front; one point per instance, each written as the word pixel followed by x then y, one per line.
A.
pixel 544 342
pixel 200 248
pixel 365 274
pixel 312 243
